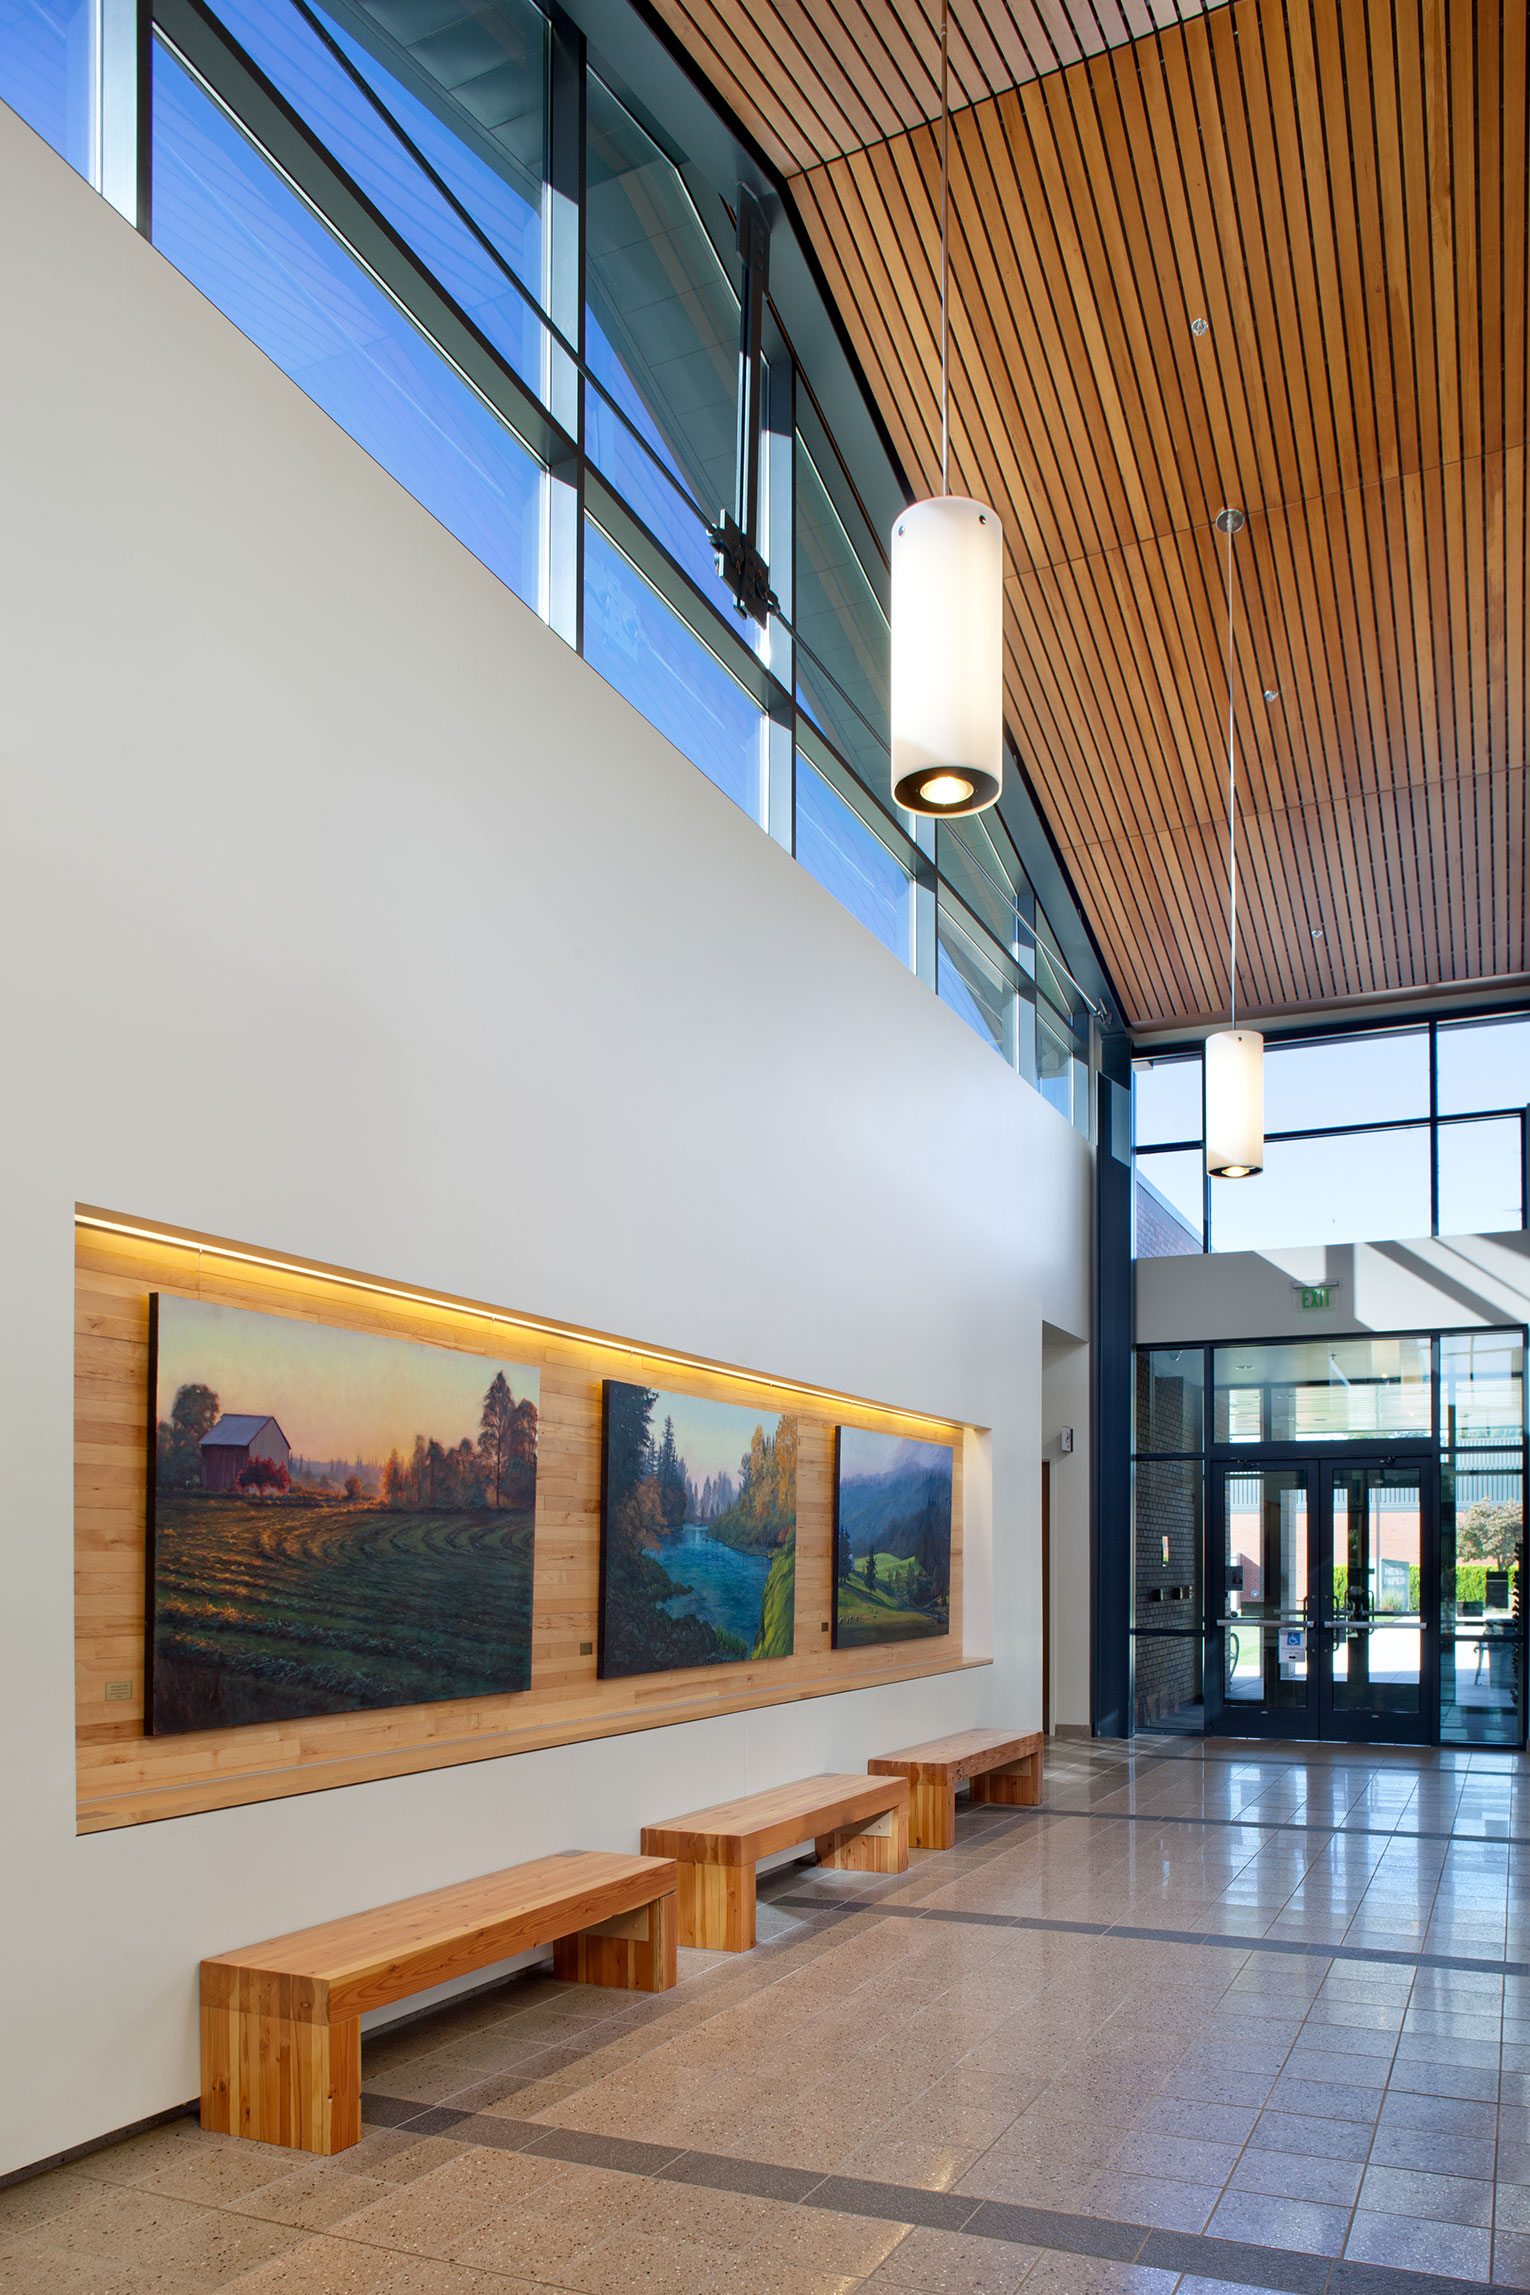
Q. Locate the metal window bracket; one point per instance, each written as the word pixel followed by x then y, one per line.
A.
pixel 735 537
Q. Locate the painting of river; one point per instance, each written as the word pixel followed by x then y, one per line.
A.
pixel 338 1519
pixel 698 1532
pixel 720 1583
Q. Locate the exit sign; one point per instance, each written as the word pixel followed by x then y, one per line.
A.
pixel 1314 1295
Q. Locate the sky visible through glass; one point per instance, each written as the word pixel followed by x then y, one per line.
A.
pixel 1370 1186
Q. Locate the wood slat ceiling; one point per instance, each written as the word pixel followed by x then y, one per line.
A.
pixel 813 82
pixel 1339 188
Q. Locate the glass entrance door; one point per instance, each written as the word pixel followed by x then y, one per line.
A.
pixel 1260 1524
pixel 1320 1581
pixel 1373 1661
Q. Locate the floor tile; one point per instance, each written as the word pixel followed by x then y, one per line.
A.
pixel 1172 2206
pixel 1440 2198
pixel 311 2198
pixel 1449 2114
pixel 948 2263
pixel 1409 2244
pixel 1180 2158
pixel 26 2206
pixel 1210 2123
pixel 640 2260
pixel 321 2266
pixel 1319 2138
pixel 1321 2100
pixel 721 2220
pixel 1295 2175
pixel 817 2240
pixel 762 2275
pixel 1432 2152
pixel 1511 2259
pixel 1272 2222
pixel 1086 2275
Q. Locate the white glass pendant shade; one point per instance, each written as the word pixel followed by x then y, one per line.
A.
pixel 947 656
pixel 1235 1103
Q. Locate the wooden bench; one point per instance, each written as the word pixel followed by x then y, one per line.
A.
pixel 1000 1766
pixel 857 1824
pixel 281 2022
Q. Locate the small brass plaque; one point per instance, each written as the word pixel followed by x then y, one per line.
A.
pixel 119 1691
pixel 586 1649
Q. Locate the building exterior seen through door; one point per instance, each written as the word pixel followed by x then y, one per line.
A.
pixel 1327 1625
pixel 1328 1538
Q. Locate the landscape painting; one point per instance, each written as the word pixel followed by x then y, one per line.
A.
pixel 337 1520
pixel 698 1551
pixel 892 1538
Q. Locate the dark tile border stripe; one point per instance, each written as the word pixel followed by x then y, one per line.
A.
pixel 1301 1948
pixel 1328 1757
pixel 1232 2261
pixel 1276 1825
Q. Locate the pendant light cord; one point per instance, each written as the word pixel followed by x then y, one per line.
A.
pixel 1232 813
pixel 945 250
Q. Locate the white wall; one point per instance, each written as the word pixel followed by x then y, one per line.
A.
pixel 1443 1282
pixel 284 767
pixel 1065 1402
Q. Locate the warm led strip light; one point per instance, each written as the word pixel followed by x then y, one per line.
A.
pixel 494 1315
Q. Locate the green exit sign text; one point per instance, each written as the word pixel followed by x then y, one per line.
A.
pixel 1316 1295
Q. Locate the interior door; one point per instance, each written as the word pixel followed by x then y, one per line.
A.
pixel 1261 1679
pixel 1375 1630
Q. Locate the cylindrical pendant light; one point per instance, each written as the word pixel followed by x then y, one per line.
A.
pixel 1234 1055
pixel 947 604
pixel 947 656
pixel 1234 1103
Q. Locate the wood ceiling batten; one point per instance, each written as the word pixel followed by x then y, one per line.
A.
pixel 817 83
pixel 1340 188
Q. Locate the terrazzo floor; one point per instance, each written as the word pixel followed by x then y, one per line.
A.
pixel 1215 2015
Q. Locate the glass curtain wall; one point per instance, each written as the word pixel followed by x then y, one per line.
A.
pixel 451 231
pixel 1370 1136
pixel 1322 1390
pixel 1272 1423
pixel 1482 1537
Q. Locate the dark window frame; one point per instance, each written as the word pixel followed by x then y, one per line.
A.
pixel 1433 1120
pixel 194 35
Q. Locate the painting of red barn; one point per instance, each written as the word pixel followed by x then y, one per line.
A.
pixel 338 1519
pixel 245 1450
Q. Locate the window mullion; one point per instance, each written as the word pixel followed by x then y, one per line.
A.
pixel 241 90
pixel 1434 1129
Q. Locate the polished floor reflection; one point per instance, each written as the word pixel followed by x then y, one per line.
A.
pixel 1214 2015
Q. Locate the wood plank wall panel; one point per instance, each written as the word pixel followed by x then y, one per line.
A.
pixel 126 1777
pixel 1339 187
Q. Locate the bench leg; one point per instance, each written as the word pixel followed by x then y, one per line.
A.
pixel 270 2073
pixel 1018 1786
pixel 931 1815
pixel 634 1951
pixel 717 1907
pixel 878 1847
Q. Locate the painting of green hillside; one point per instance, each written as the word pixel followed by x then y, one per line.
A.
pixel 892 1538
